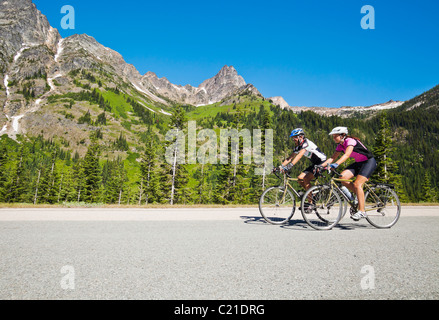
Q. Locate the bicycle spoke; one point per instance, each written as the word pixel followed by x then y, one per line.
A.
pixel 323 210
pixel 383 212
pixel 277 205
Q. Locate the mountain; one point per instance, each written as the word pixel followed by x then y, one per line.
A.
pixel 344 112
pixel 38 66
pixel 76 111
pixel 427 101
pixel 210 91
pixel 280 101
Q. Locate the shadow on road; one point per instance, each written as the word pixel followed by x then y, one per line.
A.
pixel 298 224
pixel 258 220
pixel 351 225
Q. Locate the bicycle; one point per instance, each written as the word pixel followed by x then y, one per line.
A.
pixel 382 204
pixel 277 204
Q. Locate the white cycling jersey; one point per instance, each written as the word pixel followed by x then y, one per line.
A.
pixel 312 152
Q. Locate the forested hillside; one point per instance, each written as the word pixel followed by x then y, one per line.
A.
pixel 34 169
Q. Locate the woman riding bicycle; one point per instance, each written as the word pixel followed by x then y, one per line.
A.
pixel 363 167
pixel 307 148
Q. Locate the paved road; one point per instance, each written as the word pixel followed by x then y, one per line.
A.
pixel 212 254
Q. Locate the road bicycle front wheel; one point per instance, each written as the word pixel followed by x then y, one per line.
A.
pixel 276 208
pixel 322 207
pixel 382 207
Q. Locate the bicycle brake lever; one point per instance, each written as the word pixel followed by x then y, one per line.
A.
pixel 333 171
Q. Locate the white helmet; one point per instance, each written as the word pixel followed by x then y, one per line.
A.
pixel 339 130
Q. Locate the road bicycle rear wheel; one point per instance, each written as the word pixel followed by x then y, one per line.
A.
pixel 382 207
pixel 274 207
pixel 322 207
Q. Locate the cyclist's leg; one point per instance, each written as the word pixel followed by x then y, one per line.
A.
pixel 305 179
pixel 358 186
pixel 367 168
pixel 347 174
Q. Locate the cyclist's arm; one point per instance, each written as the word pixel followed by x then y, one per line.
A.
pixel 346 155
pixel 296 158
pixel 331 159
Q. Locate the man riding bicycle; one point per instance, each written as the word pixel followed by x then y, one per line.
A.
pixel 307 148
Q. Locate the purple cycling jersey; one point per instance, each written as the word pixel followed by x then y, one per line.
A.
pixel 360 152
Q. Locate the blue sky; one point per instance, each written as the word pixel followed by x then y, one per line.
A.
pixel 313 53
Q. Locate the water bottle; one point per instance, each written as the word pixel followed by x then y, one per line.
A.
pixel 347 193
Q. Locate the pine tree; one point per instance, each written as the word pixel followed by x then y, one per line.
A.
pixel 19 177
pixel 48 188
pixel 149 186
pixel 3 170
pixel 221 193
pixel 42 185
pixel 239 191
pixel 116 188
pixel 387 167
pixel 202 188
pixel 265 125
pixel 76 192
pixel 92 174
pixel 428 192
pixel 382 151
pixel 177 170
pixel 258 182
pixel 183 192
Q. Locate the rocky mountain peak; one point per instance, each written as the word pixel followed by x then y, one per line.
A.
pixel 279 101
pixel 23 25
pixel 37 63
pixel 225 83
pixel 225 79
pixel 228 71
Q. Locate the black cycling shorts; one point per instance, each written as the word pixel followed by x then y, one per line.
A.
pixel 311 168
pixel 364 168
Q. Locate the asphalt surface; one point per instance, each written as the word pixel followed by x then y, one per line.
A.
pixel 213 253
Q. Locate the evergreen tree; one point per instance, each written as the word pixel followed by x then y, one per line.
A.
pixel 383 150
pixel 116 188
pixel 76 192
pixel 3 170
pixel 387 167
pixel 239 190
pixel 19 177
pixel 48 188
pixel 183 192
pixel 428 192
pixel 86 118
pixel 42 185
pixel 177 171
pixel 203 189
pixel 258 182
pixel 92 174
pixel 223 184
pixel 149 184
pixel 121 143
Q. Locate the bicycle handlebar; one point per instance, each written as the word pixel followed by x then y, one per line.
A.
pixel 330 170
pixel 276 170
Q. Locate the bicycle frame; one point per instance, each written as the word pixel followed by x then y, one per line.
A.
pixel 351 202
pixel 286 184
